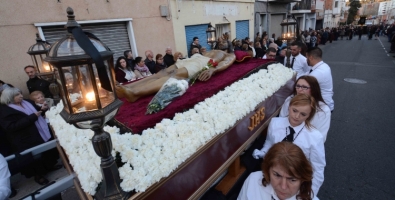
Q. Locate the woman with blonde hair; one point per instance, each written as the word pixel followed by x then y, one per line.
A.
pixel 310 86
pixel 286 174
pixel 297 128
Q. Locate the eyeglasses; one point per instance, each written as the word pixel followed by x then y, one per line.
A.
pixel 302 87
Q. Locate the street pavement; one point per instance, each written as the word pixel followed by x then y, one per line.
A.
pixel 360 146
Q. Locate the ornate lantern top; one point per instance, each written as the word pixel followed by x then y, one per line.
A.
pixel 68 46
pixel 41 47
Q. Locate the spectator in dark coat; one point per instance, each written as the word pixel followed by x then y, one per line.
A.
pixel 160 65
pixel 168 58
pixel 149 61
pixel 35 83
pixel 195 44
pixel 258 50
pixel 129 58
pixel 25 128
pixel 279 42
pixel 237 45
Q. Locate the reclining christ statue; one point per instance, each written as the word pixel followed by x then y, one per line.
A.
pixel 182 69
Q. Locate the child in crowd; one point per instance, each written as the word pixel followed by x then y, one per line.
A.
pixel 40 100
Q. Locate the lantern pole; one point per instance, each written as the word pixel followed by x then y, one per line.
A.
pixel 89 111
pixel 102 144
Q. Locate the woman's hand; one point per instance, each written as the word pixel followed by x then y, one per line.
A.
pixel 38 113
pixel 206 75
pixel 44 107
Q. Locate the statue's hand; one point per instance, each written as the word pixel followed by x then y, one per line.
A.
pixel 205 75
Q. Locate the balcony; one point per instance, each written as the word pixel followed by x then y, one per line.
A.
pixel 304 6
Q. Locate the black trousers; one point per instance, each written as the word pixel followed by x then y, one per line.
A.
pixel 252 164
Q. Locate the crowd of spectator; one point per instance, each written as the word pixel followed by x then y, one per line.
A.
pixel 22 126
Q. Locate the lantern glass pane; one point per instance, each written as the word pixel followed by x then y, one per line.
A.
pixel 37 62
pixel 45 66
pixel 110 115
pixel 62 94
pixel 106 97
pixel 210 36
pixel 70 47
pixel 38 47
pixel 88 93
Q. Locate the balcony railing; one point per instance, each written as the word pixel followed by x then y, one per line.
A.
pixel 303 5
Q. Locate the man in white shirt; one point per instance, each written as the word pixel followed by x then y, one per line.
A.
pixel 322 72
pixel 5 188
pixel 297 61
pixel 270 53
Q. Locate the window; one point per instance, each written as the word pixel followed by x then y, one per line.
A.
pixel 336 4
pixel 116 34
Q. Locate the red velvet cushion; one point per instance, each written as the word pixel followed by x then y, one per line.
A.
pixel 242 56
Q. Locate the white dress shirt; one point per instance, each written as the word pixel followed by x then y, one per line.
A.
pixel 253 51
pixel 310 141
pixel 321 120
pixel 5 187
pixel 254 190
pixel 129 75
pixel 322 72
pixel 300 64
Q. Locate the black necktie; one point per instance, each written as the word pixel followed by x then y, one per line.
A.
pixel 292 63
pixel 311 70
pixel 290 137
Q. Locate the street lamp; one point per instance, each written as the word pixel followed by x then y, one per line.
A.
pixel 288 33
pixel 85 73
pixel 211 34
pixel 38 53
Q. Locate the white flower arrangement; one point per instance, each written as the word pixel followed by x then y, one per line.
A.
pixel 160 150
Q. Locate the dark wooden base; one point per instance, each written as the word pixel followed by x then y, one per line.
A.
pixel 234 172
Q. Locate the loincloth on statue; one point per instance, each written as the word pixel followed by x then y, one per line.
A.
pixel 193 65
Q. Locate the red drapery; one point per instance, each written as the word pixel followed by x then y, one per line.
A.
pixel 132 115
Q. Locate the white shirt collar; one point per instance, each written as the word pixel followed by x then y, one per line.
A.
pixel 296 128
pixel 269 189
pixel 316 65
pixel 295 56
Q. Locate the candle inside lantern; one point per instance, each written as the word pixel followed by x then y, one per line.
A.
pixel 90 96
pixel 90 102
pixel 46 67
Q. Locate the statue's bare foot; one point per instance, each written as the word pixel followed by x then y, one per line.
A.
pixel 124 92
pixel 120 90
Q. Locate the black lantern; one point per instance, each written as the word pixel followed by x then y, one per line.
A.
pixel 38 52
pixel 211 34
pixel 85 73
pixel 288 33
